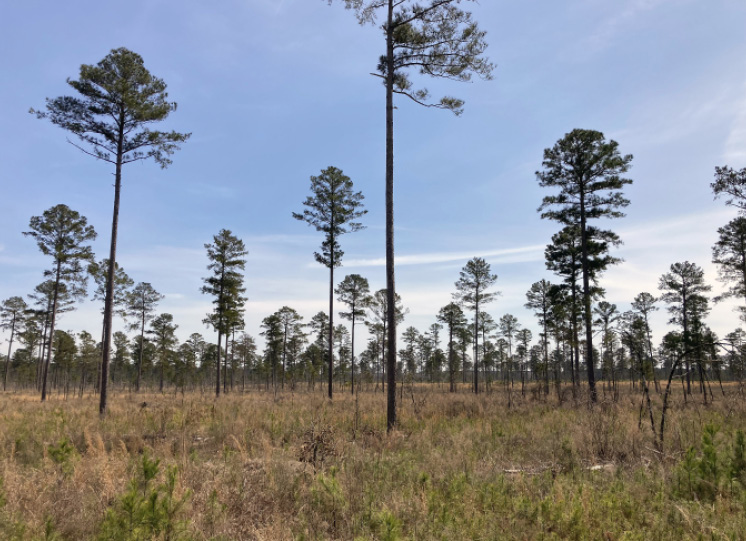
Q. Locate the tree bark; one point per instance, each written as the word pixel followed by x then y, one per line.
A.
pixel 142 348
pixel 352 353
pixel 331 318
pixel 51 333
pixel 390 282
pixel 220 328
pixel 587 302
pixel 10 347
pixel 476 343
pixel 451 360
pixel 109 299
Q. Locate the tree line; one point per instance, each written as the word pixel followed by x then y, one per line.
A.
pixel 453 351
pixel 119 100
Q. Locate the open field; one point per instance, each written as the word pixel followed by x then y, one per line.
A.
pixel 296 466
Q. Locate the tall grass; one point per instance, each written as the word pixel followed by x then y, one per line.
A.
pixel 297 466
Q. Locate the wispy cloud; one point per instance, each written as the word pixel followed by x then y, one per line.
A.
pixel 735 145
pixel 509 255
pixel 612 26
pixel 696 229
pixel 204 189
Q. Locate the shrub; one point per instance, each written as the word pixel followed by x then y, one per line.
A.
pixel 146 510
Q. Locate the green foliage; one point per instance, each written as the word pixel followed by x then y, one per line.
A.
pixel 50 532
pixel 227 255
pixel 387 526
pixel 729 252
pixel 328 498
pixel 214 513
pixel 119 99
pixel 436 38
pixel 737 468
pixel 683 289
pixel 474 279
pixel 147 510
pixel 731 183
pixel 332 209
pixel 64 454
pixel 61 232
pixel 99 271
pixel 709 473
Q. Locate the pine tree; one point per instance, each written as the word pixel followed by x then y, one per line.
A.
pixel 63 234
pixel 332 209
pixel 538 299
pixel 683 289
pixel 119 100
pixel 442 41
pixel 12 317
pixel 227 258
pixel 732 184
pixel 141 302
pixel 475 278
pixel 587 170
pixel 354 291
pixel 453 318
pixel 163 331
pixel 729 253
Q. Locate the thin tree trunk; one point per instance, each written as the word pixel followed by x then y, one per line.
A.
pixel 220 328
pixel 331 318
pixel 352 354
pixel 686 343
pixel 142 349
pixel 476 343
pixel 42 347
pixel 10 347
pixel 451 361
pixel 220 340
pixel 587 302
pixel 109 299
pixel 51 333
pixel 390 281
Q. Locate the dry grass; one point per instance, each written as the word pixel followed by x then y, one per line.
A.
pixel 296 466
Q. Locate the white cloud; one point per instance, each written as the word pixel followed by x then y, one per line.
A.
pixel 510 255
pixel 614 25
pixel 735 144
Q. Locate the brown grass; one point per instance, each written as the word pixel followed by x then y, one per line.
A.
pixel 289 466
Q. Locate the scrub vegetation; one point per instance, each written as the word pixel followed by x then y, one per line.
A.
pixel 294 465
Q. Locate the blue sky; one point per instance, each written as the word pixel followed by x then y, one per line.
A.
pixel 273 91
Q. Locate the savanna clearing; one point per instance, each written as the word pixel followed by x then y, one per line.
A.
pixel 266 465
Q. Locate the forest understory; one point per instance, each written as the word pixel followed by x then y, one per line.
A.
pixel 295 465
